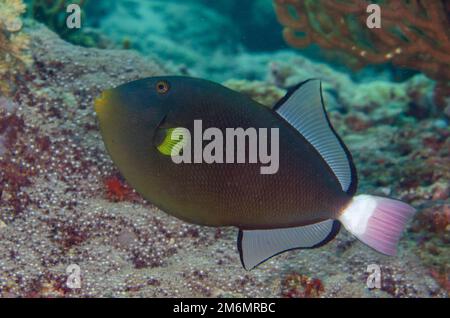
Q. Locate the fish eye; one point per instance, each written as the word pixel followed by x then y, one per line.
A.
pixel 162 87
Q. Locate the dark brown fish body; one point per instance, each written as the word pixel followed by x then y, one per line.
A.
pixel 222 194
pixel 297 207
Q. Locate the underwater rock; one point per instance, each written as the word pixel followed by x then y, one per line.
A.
pixel 380 98
pixel 57 211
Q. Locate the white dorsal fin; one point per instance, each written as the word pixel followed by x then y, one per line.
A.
pixel 303 109
pixel 257 246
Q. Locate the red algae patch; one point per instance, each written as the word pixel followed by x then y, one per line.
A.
pixel 297 285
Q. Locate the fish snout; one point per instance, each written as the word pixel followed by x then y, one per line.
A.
pixel 102 101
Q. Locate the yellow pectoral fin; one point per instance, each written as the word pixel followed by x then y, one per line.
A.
pixel 173 142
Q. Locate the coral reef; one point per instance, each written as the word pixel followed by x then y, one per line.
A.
pixel 434 240
pixel 13 43
pixel 262 92
pixel 65 203
pixel 414 34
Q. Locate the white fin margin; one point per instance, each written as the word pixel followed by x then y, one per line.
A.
pixel 305 112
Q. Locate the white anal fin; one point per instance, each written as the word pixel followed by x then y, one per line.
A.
pixel 257 246
pixel 303 109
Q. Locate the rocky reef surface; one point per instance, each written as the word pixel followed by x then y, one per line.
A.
pixel 63 202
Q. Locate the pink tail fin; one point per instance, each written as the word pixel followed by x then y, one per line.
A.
pixel 376 221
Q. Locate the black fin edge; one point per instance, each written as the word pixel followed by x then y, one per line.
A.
pixel 354 178
pixel 239 247
pixel 291 90
pixel 334 231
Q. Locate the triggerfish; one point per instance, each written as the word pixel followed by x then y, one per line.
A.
pixel 301 205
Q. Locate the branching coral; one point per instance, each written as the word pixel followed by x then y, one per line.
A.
pixel 13 42
pixel 414 33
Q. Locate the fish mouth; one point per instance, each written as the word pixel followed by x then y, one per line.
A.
pixel 102 101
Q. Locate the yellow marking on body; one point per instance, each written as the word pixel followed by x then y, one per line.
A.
pixel 173 142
